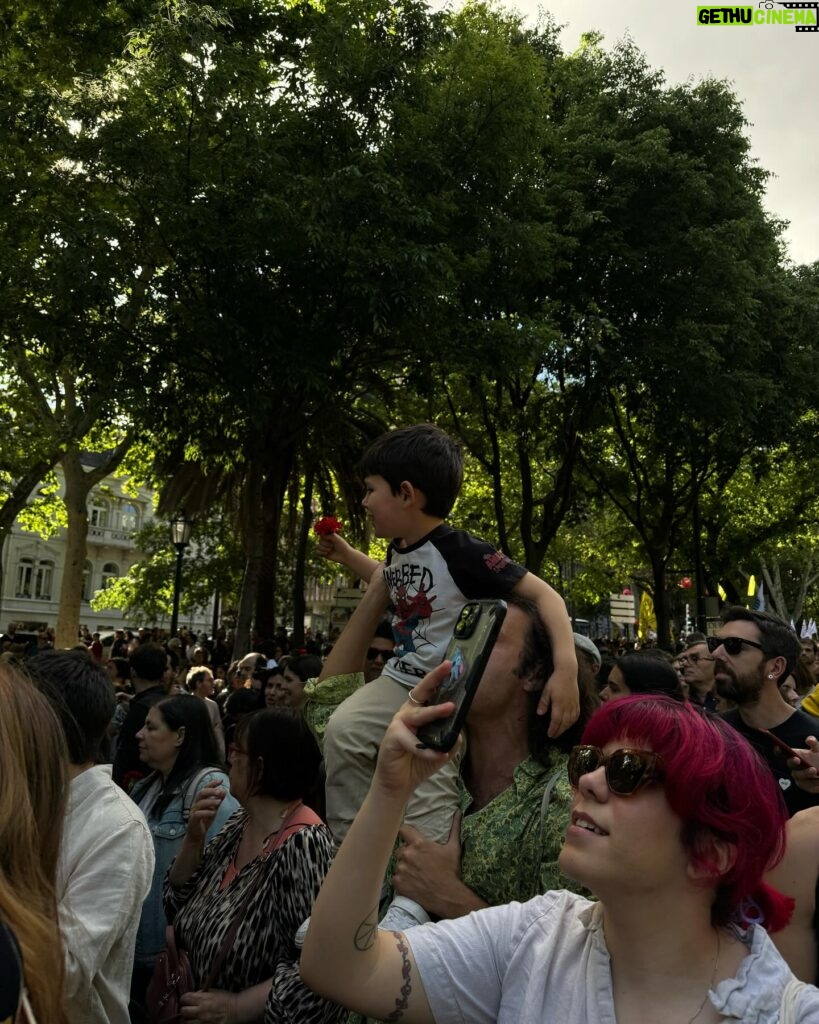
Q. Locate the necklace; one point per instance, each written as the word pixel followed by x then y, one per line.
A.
pixel 710 984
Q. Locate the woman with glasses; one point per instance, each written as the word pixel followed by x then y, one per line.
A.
pixel 177 742
pixel 260 876
pixel 674 820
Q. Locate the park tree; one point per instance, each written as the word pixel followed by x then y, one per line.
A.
pixel 699 357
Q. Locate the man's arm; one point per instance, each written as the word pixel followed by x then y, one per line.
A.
pixel 349 650
pixel 101 900
pixel 561 692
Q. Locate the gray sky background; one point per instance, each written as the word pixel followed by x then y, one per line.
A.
pixel 773 69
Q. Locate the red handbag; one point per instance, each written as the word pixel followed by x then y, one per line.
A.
pixel 171 979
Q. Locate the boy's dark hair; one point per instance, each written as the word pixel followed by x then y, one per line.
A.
pixel 425 456
pixel 82 695
pixel 283 757
pixel 149 662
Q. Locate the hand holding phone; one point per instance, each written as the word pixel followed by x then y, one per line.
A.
pixel 783 746
pixel 473 638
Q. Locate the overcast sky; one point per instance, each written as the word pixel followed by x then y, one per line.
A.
pixel 773 69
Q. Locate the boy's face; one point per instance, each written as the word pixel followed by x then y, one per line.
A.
pixel 383 507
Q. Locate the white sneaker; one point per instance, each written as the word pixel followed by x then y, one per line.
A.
pixel 403 914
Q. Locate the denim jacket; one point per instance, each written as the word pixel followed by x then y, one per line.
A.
pixel 168 833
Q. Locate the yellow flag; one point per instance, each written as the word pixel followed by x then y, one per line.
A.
pixel 721 592
pixel 751 587
pixel 646 619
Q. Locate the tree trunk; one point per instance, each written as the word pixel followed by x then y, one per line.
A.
pixel 254 540
pixel 275 485
pixel 662 605
pixel 78 484
pixel 299 603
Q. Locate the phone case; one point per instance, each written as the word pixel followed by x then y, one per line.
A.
pixel 473 638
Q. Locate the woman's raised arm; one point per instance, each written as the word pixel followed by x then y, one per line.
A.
pixel 345 957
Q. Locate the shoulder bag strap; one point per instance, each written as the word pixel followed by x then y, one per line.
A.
pixel 288 829
pixel 190 791
pixel 26 1010
pixel 547 796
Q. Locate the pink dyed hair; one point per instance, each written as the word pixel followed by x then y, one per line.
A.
pixel 719 786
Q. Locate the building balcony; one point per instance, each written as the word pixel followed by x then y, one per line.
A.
pixel 106 536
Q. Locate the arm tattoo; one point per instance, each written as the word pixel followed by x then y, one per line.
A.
pixel 365 935
pixel 402 1001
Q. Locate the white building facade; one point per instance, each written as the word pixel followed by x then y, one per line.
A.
pixel 32 567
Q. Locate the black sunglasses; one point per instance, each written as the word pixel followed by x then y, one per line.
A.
pixel 733 644
pixel 627 770
pixel 377 652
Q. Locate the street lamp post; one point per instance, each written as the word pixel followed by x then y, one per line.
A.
pixel 180 538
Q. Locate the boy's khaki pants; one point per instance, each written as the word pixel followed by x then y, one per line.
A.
pixel 351 743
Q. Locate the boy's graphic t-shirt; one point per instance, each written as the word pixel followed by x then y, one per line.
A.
pixel 429 583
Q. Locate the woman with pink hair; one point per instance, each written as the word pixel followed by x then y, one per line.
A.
pixel 674 821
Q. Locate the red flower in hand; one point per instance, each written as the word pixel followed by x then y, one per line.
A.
pixel 327 525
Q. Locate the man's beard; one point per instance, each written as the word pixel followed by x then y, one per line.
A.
pixel 745 690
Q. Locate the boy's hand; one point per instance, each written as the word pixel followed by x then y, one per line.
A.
pixel 334 547
pixel 562 695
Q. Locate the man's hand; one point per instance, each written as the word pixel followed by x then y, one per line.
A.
pixel 424 870
pixel 807 778
pixel 212 1007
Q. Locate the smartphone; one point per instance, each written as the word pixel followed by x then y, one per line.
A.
pixel 473 638
pixel 783 746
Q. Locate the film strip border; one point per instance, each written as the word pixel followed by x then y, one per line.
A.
pixel 814 6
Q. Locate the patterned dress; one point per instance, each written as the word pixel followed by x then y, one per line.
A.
pixel 286 882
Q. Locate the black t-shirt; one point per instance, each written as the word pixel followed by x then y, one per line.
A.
pixel 11 976
pixel 794 731
pixel 127 765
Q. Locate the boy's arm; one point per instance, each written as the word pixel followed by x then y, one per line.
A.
pixel 561 691
pixel 350 649
pixel 336 549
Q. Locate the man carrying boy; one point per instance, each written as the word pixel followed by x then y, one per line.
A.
pixel 412 477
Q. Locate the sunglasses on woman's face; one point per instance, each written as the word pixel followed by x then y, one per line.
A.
pixel 733 644
pixel 627 770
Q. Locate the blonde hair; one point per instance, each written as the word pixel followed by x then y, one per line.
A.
pixel 33 794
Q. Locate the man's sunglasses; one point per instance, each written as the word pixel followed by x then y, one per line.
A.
pixel 377 652
pixel 627 770
pixel 733 644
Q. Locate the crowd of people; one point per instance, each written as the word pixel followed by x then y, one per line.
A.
pixel 619 835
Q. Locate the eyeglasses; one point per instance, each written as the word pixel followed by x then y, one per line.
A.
pixel 627 770
pixel 234 748
pixel 733 644
pixel 692 659
pixel 377 652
